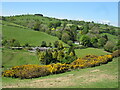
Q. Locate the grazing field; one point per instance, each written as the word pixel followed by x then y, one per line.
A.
pixel 94 51
pixel 26 35
pixel 104 76
pixel 12 58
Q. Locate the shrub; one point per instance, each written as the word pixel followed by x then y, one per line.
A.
pixel 116 53
pixel 109 46
pixel 26 71
pixel 91 61
pixel 33 71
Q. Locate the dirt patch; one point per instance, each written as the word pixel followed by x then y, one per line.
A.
pixel 53 82
pixel 99 78
pixel 66 81
pixel 96 70
pixel 45 83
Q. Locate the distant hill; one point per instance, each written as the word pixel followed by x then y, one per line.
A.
pixel 39 27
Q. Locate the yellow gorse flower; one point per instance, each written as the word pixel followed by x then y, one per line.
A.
pixel 31 71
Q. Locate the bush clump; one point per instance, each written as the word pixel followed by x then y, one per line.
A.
pixel 91 61
pixel 116 53
pixel 33 71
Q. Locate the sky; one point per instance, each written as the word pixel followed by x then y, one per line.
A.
pixel 87 11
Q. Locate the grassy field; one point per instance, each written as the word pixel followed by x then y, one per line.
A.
pixel 27 35
pixel 104 76
pixel 12 58
pixel 94 51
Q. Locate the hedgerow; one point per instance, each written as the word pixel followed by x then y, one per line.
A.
pixel 33 71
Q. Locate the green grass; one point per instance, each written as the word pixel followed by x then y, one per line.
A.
pixel 27 35
pixel 94 51
pixel 12 58
pixel 11 24
pixel 104 76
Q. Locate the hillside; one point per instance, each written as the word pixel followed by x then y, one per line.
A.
pixel 24 36
pixel 18 57
pixel 88 34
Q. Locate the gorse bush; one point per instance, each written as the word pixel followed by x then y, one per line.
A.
pixel 33 71
pixel 90 61
pixel 26 71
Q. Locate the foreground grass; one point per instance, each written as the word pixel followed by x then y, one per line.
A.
pixel 104 76
pixel 94 51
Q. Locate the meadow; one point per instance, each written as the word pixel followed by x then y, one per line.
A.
pixel 91 51
pixel 18 57
pixel 29 36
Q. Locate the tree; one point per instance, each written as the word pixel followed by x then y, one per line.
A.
pixel 73 32
pixel 59 34
pixel 101 42
pixel 57 24
pixel 41 56
pixel 85 40
pixel 60 46
pixel 13 43
pixel 55 54
pixel 71 49
pixel 109 46
pixel 56 43
pixel 64 25
pixel 37 26
pixel 43 44
pixel 4 42
pixel 65 37
pixel 48 57
pixel 85 29
pixel 70 42
pixel 94 42
pixel 54 24
pixel 27 45
pixel 38 14
pixel 16 44
pixel 60 55
pixel 50 44
pixel 71 54
pixel 106 37
pixel 43 27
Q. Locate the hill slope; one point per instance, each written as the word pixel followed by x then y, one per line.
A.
pixel 26 35
pixel 12 58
